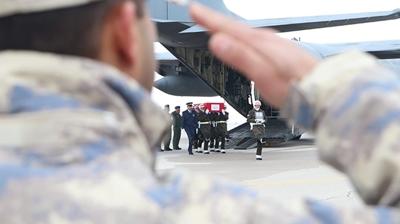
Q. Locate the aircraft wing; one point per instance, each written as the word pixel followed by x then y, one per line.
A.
pixel 167 63
pixel 165 56
pixel 381 49
pixel 313 22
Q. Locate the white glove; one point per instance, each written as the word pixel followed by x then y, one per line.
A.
pixel 207 111
pixel 260 121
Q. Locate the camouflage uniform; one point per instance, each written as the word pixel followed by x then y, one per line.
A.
pixel 78 142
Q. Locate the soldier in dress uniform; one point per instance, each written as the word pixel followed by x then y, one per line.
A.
pixel 198 140
pixel 257 119
pixel 177 126
pixel 189 123
pixel 221 129
pixel 213 134
pixel 204 127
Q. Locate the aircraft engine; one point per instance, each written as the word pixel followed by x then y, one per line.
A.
pixel 182 85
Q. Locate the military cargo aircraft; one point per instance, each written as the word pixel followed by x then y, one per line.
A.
pixel 192 70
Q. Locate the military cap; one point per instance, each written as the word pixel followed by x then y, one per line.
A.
pixel 189 104
pixel 177 107
pixel 14 7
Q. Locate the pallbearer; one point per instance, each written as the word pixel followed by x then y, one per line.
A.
pixel 221 129
pixel 204 126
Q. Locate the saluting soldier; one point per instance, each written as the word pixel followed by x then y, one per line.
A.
pixel 204 126
pixel 257 120
pixel 221 129
pixel 177 126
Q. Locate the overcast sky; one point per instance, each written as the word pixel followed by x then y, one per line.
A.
pixel 261 9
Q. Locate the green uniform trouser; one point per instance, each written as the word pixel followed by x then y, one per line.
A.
pixel 176 137
pixel 167 139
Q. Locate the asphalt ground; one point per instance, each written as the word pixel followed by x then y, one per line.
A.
pixel 288 171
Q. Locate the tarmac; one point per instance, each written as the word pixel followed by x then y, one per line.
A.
pixel 288 171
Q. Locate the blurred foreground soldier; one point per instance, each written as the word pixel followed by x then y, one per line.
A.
pixel 257 119
pixel 167 137
pixel 221 129
pixel 189 123
pixel 78 128
pixel 204 127
pixel 79 131
pixel 349 101
pixel 177 126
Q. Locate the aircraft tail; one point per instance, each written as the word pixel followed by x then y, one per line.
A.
pixel 163 10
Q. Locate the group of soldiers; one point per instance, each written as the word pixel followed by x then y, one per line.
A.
pixel 206 129
pixel 177 126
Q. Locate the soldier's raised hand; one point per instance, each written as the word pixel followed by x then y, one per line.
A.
pixel 269 60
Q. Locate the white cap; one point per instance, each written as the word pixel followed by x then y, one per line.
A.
pixel 257 103
pixel 14 7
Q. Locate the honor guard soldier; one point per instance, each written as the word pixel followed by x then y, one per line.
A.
pixel 204 127
pixel 198 140
pixel 177 126
pixel 221 129
pixel 189 123
pixel 213 134
pixel 257 120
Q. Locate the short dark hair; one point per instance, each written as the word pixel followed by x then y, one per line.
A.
pixel 71 31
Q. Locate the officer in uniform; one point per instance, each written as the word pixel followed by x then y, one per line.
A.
pixel 189 123
pixel 177 126
pixel 167 137
pixel 221 129
pixel 257 119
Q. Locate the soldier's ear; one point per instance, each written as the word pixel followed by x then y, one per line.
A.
pixel 118 42
pixel 125 23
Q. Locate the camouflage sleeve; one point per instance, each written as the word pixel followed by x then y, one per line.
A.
pixel 188 198
pixel 353 106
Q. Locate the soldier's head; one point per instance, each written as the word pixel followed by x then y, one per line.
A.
pixel 117 32
pixel 257 104
pixel 189 105
pixel 178 109
pixel 166 107
pixel 201 107
pixel 196 107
